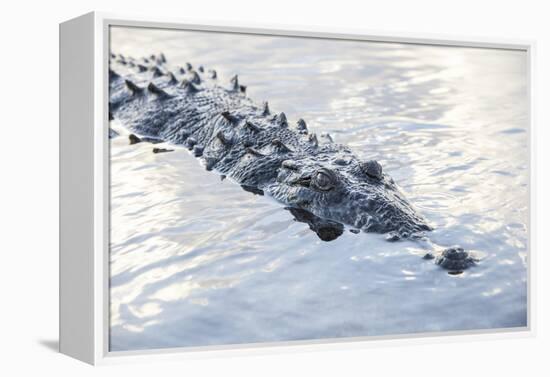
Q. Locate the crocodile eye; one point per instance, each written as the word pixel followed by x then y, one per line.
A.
pixel 324 180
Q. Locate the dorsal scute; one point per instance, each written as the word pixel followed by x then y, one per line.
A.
pixel 301 126
pixel 173 80
pixel 195 78
pixel 157 72
pixel 281 120
pixel 189 87
pixel 133 87
pixel 265 111
pixel 234 83
pixel 229 117
pixel 152 88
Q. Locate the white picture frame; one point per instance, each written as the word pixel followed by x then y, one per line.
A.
pixel 84 207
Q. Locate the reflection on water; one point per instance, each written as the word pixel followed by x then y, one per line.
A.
pixel 326 230
pixel 196 260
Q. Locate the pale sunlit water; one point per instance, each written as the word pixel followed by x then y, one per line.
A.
pixel 198 261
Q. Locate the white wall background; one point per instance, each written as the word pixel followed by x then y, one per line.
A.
pixel 29 184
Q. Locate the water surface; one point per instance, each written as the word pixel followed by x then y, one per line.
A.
pixel 195 260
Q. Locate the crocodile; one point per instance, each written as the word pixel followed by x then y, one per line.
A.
pixel 321 182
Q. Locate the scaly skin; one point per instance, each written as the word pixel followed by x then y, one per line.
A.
pixel 259 150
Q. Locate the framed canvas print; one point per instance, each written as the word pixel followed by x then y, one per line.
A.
pixel 234 189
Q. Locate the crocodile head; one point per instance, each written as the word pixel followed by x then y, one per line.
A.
pixel 349 191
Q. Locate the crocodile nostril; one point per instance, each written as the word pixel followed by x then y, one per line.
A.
pixel 372 168
pixel 342 162
pixel 290 165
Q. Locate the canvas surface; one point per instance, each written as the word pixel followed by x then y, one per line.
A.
pixel 196 260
